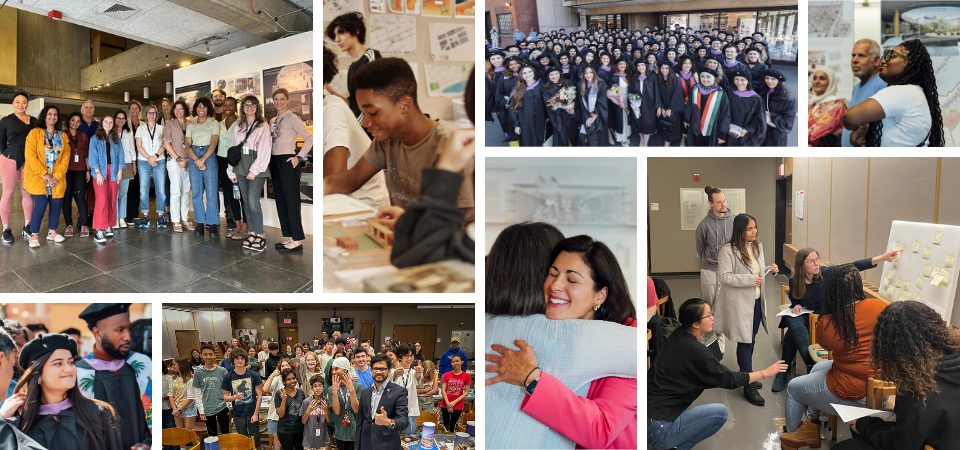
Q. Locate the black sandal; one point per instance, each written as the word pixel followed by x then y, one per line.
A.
pixel 259 244
pixel 248 243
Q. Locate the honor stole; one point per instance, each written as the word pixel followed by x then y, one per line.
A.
pixel 711 105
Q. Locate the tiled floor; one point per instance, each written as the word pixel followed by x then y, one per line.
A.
pixel 749 426
pixel 151 260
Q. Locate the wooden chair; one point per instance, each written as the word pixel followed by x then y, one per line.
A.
pixel 179 436
pixel 649 335
pixel 428 417
pixel 464 418
pixel 660 305
pixel 877 390
pixel 234 441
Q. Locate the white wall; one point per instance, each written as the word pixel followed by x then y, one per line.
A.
pixel 213 326
pixel 294 49
pixel 867 24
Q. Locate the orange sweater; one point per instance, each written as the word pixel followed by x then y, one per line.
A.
pixel 847 379
pixel 35 165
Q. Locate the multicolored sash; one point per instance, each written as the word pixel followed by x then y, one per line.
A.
pixel 710 110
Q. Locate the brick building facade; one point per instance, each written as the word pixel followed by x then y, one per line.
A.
pixel 523 14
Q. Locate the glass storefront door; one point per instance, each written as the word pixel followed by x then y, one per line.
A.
pixel 780 31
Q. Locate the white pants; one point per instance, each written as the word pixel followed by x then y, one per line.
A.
pixel 179 191
pixel 708 292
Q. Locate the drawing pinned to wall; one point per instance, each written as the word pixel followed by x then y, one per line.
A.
pixel 451 41
pixel 830 25
pixel 297 79
pixel 393 35
pixel 397 6
pixel 241 86
pixel 446 81
pixel 378 6
pixel 465 8
pixel 191 93
pixel 798 205
pixel 547 200
pixel 337 7
pixel 411 6
pixel 436 8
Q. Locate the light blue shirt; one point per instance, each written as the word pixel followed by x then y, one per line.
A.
pixel 376 393
pixel 861 93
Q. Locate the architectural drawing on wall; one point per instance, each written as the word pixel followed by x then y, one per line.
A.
pixel 378 6
pixel 412 6
pixel 333 8
pixel 546 200
pixel 393 35
pixel 827 20
pixel 436 8
pixel 451 42
pixel 446 81
pixel 241 86
pixel 694 205
pixel 465 8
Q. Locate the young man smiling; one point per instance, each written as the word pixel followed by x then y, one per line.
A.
pixel 239 386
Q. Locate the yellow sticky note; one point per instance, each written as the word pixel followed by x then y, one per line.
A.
pixel 939 276
pixel 926 270
pixel 896 261
pixel 886 282
pixel 937 236
pixel 890 292
pixel 897 246
pixel 899 282
pixel 891 273
pixel 950 260
pixel 916 246
pixel 916 296
pixel 919 282
pixel 926 253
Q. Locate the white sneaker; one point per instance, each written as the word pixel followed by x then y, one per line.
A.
pixel 108 232
pixel 123 223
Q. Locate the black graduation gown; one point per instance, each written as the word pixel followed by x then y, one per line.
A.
pixel 596 134
pixel 63 432
pixel 756 76
pixel 12 437
pixel 122 392
pixel 505 86
pixel 746 112
pixel 606 76
pixel 614 115
pixel 692 114
pixel 567 74
pixel 562 122
pixel 783 114
pixel 672 99
pixel 530 117
pixel 649 103
pixel 490 103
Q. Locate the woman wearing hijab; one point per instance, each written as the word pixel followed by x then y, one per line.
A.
pixel 619 123
pixel 825 110
pixel 781 109
pixel 671 104
pixel 526 109
pixel 643 117
pixel 561 121
pixel 707 113
pixel 592 110
pixel 747 127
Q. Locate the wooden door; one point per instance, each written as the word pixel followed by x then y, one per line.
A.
pixel 186 341
pixel 368 331
pixel 425 334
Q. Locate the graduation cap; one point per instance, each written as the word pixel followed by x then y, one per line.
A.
pixel 553 69
pixel 704 69
pixel 753 49
pixel 99 311
pixel 43 344
pixel 496 53
pixel 771 72
pixel 740 73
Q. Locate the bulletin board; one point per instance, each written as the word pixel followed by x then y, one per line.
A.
pixel 928 249
pixel 694 204
pixel 440 47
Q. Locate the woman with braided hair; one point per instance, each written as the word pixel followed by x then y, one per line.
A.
pixel 916 350
pixel 907 112
pixel 846 327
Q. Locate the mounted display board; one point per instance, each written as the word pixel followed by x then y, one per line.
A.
pixel 926 271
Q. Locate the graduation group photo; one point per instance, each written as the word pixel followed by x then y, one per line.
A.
pixel 76 376
pixel 319 376
pixel 626 73
pixel 791 308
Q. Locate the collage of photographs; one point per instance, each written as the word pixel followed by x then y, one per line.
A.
pixel 161 152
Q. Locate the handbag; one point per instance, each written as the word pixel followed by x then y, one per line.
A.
pixel 234 152
pixel 126 173
pixel 665 125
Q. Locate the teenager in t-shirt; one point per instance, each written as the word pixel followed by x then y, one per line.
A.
pixel 314 412
pixel 455 386
pixel 350 33
pixel 239 386
pixel 405 140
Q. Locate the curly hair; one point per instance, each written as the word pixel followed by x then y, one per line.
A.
pixel 844 288
pixel 330 68
pixel 909 338
pixel 918 71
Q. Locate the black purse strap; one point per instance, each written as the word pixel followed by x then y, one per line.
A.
pixel 249 130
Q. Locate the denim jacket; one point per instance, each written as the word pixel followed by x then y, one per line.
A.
pixel 98 158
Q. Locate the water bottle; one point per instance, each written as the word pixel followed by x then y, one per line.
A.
pixel 236 191
pixel 49 190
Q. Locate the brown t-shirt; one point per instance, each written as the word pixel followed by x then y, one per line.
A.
pixel 847 379
pixel 403 167
pixel 79 149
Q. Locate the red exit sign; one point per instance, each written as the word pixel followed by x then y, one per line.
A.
pixel 287 320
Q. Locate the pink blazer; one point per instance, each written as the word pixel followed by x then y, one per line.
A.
pixel 606 418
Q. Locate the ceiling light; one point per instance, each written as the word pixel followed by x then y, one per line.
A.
pixel 276 21
pixel 208 48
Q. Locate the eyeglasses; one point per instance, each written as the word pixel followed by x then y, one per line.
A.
pixel 812 262
pixel 890 53
pixel 379 369
pixel 708 316
pixel 249 105
pixel 152 113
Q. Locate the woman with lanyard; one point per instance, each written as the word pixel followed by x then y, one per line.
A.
pixel 201 145
pixel 643 116
pixel 746 112
pixel 151 161
pixel 592 110
pixel 343 396
pixel 106 161
pixel 46 157
pixel 174 135
pixel 707 113
pixel 129 156
pixel 285 169
pixel 781 109
pixel 13 133
pixel 237 230
pixel 78 173
pixel 133 188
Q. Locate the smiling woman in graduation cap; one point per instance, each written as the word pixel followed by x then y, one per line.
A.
pixel 49 407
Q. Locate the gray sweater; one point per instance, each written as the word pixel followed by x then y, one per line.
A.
pixel 712 233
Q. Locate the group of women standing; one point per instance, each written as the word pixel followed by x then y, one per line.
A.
pixel 51 165
pixel 693 90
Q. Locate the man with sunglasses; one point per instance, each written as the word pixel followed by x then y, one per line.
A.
pixel 865 63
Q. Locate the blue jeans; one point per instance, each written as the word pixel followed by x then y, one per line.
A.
pixel 744 350
pixel 159 179
pixel 40 203
pixel 693 426
pixel 204 183
pixel 122 197
pixel 809 394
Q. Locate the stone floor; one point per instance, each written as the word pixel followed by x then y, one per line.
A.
pixel 151 260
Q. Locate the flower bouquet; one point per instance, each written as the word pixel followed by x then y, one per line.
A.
pixel 618 96
pixel 635 105
pixel 565 99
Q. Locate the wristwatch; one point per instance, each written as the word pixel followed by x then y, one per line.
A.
pixel 532 386
pixel 392 423
pixel 301 159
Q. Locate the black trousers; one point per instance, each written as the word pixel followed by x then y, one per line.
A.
pixel 233 208
pixel 133 198
pixel 286 189
pixel 222 419
pixel 450 419
pixel 291 441
pixel 77 191
pixel 344 445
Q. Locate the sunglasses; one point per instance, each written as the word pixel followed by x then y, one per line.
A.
pixel 889 54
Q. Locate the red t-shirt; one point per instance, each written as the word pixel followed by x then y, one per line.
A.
pixel 455 386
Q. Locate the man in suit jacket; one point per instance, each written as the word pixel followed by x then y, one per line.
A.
pixel 383 410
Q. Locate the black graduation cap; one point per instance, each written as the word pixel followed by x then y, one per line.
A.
pixel 752 49
pixel 704 69
pixel 739 73
pixel 44 343
pixel 98 311
pixel 496 53
pixel 553 69
pixel 771 72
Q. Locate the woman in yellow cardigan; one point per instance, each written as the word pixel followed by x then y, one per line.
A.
pixel 47 156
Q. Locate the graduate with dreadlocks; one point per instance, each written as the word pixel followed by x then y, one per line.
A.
pixel 907 112
pixel 781 108
pixel 707 113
